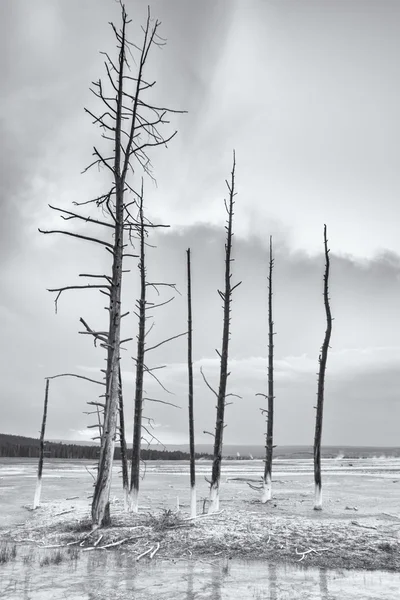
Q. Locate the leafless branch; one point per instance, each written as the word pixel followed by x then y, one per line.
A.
pixel 165 341
pixel 78 376
pixel 206 382
pixel 162 402
pixel 76 235
pixel 72 215
pixel 73 287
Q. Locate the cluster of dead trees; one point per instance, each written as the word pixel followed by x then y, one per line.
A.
pixel 132 126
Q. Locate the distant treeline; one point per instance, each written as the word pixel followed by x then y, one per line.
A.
pixel 15 446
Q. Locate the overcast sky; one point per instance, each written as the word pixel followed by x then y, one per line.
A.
pixel 308 94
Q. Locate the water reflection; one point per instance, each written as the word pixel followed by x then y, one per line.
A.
pixel 190 595
pixel 217 576
pixel 272 576
pixel 102 575
pixel 323 584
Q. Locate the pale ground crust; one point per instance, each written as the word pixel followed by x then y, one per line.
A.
pixel 254 531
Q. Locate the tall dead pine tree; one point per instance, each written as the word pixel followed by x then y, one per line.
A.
pixel 38 490
pixel 226 297
pixel 321 383
pixel 267 482
pixel 141 336
pixel 190 384
pixel 143 313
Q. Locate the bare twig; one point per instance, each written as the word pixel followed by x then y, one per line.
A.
pixel 78 376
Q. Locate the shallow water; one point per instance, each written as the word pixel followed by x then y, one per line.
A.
pixel 116 576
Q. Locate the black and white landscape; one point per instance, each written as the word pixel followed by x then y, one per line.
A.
pixel 200 268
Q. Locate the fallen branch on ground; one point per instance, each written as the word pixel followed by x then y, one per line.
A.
pixel 144 553
pixel 203 516
pixel 257 488
pixel 73 543
pixel 309 551
pixel 155 550
pixel 113 544
pixel 364 526
pixel 64 512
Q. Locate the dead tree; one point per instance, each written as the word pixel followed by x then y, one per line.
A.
pixel 122 442
pixel 143 306
pixel 131 124
pixel 141 336
pixel 269 448
pixel 221 396
pixel 38 490
pixel 190 384
pixel 321 383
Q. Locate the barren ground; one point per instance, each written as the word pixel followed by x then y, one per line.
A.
pixel 359 527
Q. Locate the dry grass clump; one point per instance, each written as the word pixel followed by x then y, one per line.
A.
pixel 8 552
pixel 164 520
pixel 54 558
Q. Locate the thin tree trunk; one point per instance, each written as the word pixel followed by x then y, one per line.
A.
pixel 226 297
pixel 267 483
pixel 137 423
pixel 321 383
pixel 122 439
pixel 38 490
pixel 190 376
pixel 101 505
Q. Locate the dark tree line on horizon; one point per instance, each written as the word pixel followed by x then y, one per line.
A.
pixel 31 449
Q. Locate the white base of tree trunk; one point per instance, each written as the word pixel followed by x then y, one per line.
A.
pixel 267 490
pixel 318 497
pixel 193 502
pixel 133 501
pixel 214 498
pixel 38 492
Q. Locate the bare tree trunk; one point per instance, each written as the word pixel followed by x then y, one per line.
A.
pixel 321 383
pixel 137 423
pixel 190 377
pixel 101 505
pixel 38 490
pixel 122 440
pixel 226 297
pixel 267 483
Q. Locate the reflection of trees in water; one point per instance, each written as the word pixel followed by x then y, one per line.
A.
pixel 110 576
pixel 190 593
pixel 9 582
pixel 217 572
pixel 272 578
pixel 216 580
pixel 323 584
